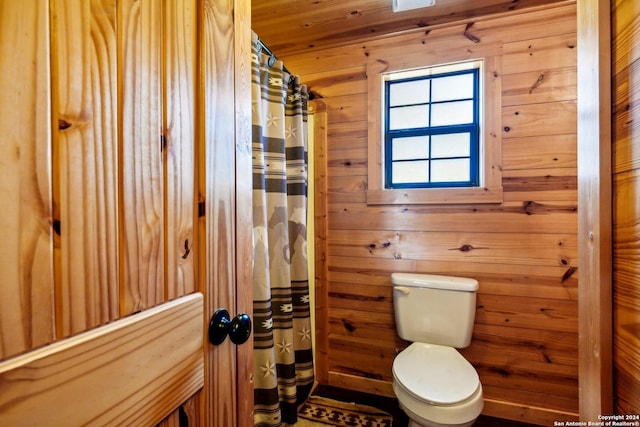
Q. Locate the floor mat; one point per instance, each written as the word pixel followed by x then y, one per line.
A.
pixel 320 411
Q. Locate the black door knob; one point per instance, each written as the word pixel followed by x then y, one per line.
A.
pixel 220 325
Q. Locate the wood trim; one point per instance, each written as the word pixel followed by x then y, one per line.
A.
pixel 320 242
pixel 491 190
pixel 594 207
pixel 218 192
pixel 366 385
pixel 244 204
pixel 435 196
pixel 375 120
pixel 200 236
pixel 521 413
pixel 492 408
pixel 133 371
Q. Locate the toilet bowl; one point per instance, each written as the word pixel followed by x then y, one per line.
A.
pixel 436 386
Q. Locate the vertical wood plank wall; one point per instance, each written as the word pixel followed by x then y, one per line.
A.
pixel 626 203
pixel 524 250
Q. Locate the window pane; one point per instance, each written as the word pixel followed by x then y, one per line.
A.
pixel 409 117
pixel 452 113
pixel 415 147
pixel 407 93
pixel 450 145
pixel 452 88
pixel 450 170
pixel 410 172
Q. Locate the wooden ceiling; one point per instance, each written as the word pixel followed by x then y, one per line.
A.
pixel 288 26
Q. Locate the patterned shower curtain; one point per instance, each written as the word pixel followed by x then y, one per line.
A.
pixel 283 367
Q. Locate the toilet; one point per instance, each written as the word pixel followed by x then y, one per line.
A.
pixel 435 385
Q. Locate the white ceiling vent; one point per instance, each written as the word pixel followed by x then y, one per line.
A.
pixel 402 5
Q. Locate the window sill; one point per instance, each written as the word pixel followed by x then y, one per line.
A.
pixel 433 196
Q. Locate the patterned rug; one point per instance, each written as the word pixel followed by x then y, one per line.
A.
pixel 320 411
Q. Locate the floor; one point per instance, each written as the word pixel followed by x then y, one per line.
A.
pixel 390 405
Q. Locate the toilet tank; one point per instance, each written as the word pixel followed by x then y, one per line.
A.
pixel 434 309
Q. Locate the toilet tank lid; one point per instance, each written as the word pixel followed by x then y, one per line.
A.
pixel 434 281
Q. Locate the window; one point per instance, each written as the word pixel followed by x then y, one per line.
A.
pixel 432 124
pixel 434 131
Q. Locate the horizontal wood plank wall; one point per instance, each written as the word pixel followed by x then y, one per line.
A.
pixel 525 342
pixel 626 185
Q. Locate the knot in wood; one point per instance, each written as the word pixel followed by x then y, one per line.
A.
pixel 63 124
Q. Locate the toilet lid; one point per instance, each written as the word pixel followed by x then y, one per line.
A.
pixel 434 373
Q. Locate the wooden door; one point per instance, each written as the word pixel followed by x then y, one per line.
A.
pixel 110 271
pixel 226 200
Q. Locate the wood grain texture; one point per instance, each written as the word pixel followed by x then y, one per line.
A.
pixel 523 248
pixel 625 123
pixel 490 188
pixel 91 189
pixel 180 55
pixel 133 371
pixel 217 190
pixel 533 152
pixel 537 54
pixel 626 208
pixel 244 203
pixel 433 39
pixel 542 217
pixel 26 254
pixel 187 413
pixel 625 33
pixel 320 216
pixel 539 86
pixel 85 167
pixel 595 201
pixel 310 24
pixel 142 192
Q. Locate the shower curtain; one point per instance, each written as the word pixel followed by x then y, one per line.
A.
pixel 283 367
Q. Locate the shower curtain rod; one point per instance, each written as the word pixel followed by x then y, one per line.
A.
pixel 272 55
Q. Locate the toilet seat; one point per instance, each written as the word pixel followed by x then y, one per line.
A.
pixel 435 374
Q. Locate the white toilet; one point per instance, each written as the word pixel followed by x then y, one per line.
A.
pixel 434 384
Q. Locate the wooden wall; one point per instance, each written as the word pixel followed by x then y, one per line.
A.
pixel 626 203
pixel 523 251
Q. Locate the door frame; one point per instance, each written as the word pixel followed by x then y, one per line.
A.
pixel 595 346
pixel 225 203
